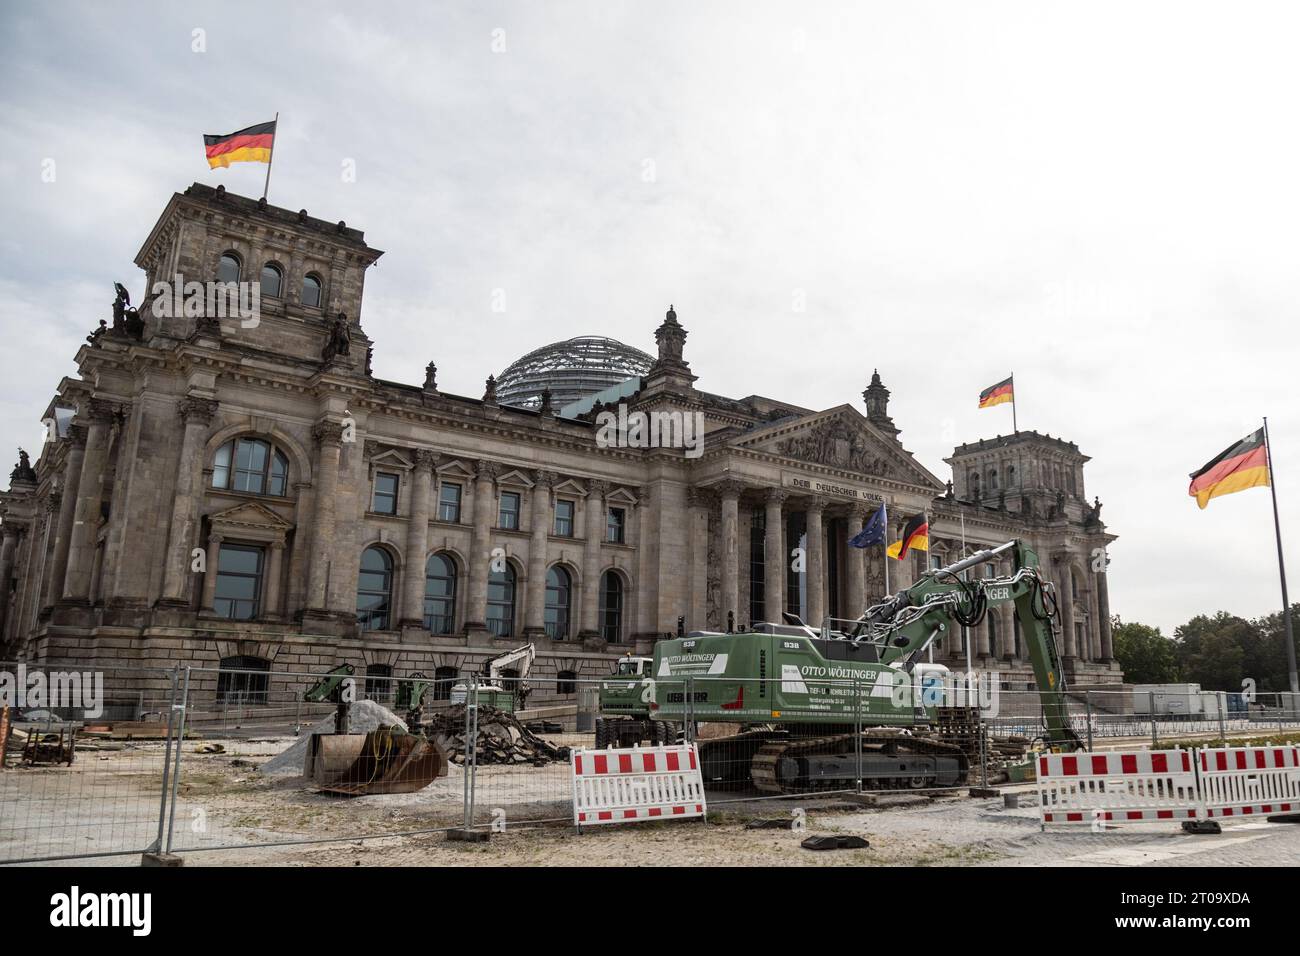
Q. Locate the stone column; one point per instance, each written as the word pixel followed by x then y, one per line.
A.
pixel 730 492
pixel 1103 616
pixel 67 513
pixel 211 567
pixel 855 571
pixel 816 565
pixel 7 548
pixel 774 556
pixel 329 447
pixel 1065 600
pixel 86 519
pixel 417 540
pixel 594 533
pixel 271 603
pixel 480 556
pixel 196 414
pixel 535 593
pixel 698 618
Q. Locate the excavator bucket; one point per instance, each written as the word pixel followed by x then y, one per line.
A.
pixel 382 761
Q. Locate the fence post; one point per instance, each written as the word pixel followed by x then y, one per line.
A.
pixel 470 766
pixel 167 761
pixel 1087 702
pixel 1223 706
pixel 857 730
pixel 180 748
pixel 688 708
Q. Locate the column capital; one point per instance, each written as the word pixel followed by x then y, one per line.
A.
pixel 777 496
pixel 328 433
pixel 699 497
pixel 598 486
pixel 425 460
pixel 729 488
pixel 195 410
pixel 97 410
pixel 486 470
pixel 76 436
pixel 544 478
pixel 815 506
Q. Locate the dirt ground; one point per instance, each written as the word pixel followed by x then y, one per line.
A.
pixel 230 814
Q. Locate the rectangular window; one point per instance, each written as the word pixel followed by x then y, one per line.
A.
pixel 508 515
pixel 615 521
pixel 239 582
pixel 449 502
pixel 564 519
pixel 385 502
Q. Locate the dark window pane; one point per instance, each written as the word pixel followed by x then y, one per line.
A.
pixel 385 493
pixel 614 525
pixel 558 587
pixel 229 268
pixel 271 279
pixel 564 518
pixel 449 503
pixel 509 514
pixel 311 291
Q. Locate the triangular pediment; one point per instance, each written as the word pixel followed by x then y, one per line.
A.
pixel 250 514
pixel 843 439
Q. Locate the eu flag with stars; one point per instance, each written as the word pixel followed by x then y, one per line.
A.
pixel 874 532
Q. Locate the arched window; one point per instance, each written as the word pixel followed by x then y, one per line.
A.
pixel 559 587
pixel 439 594
pixel 229 268
pixel 272 279
pixel 375 590
pixel 611 607
pixel 311 291
pixel 250 464
pixel 379 682
pixel 243 680
pixel 501 602
pixel 444 678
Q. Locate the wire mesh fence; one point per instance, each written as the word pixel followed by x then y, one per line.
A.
pixel 83 762
pixel 196 759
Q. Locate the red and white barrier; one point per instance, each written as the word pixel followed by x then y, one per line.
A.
pixel 642 783
pixel 1241 781
pixel 1117 786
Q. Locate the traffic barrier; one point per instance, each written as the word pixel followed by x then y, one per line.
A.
pixel 1117 786
pixel 1241 781
pixel 641 783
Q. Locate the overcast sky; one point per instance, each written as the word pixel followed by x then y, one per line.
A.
pixel 1101 197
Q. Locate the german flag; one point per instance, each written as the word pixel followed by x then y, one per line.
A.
pixel 1244 465
pixel 1003 391
pixel 252 145
pixel 916 537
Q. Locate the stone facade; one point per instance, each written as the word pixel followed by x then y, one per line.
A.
pixel 219 489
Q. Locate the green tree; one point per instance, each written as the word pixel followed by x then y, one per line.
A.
pixel 1147 656
pixel 1214 650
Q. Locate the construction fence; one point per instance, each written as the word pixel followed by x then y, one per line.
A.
pixel 191 760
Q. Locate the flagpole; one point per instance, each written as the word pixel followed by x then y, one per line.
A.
pixel 965 631
pixel 1014 427
pixel 1281 568
pixel 885 548
pixel 271 158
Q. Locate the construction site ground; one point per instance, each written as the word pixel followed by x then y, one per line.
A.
pixel 228 814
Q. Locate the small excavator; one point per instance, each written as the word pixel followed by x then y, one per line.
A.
pixel 505 681
pixel 384 760
pixel 820 710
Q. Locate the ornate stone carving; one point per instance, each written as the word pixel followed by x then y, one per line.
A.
pixel 328 433
pixel 487 469
pixel 699 497
pixel 545 479
pixel 340 340
pixel 23 471
pixel 126 320
pixel 431 378
pixel 729 488
pixel 547 410
pixel 490 390
pixel 425 460
pixel 777 496
pixel 598 486
pixel 201 411
pixel 834 443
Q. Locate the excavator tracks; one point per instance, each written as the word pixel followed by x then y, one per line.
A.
pixel 889 761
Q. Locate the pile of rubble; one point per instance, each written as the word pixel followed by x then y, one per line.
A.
pixel 501 739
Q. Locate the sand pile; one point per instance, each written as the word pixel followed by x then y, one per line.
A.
pixel 366 716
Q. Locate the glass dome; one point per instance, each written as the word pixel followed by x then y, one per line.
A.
pixel 572 370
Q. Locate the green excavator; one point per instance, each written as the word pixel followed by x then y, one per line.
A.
pixel 384 760
pixel 821 710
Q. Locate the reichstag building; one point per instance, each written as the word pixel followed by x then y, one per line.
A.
pixel 235 493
